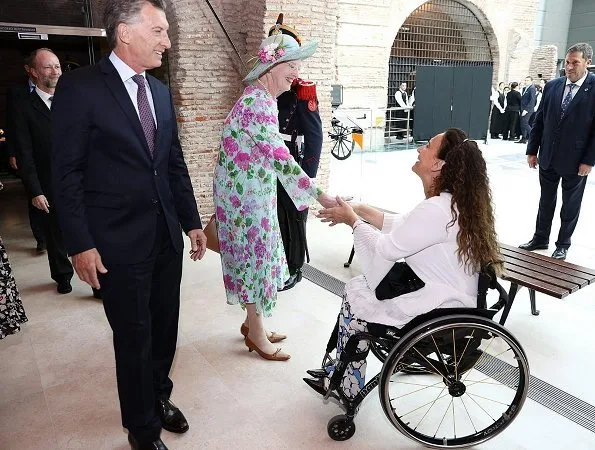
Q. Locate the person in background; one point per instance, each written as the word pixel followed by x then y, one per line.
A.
pixel 539 88
pixel 513 109
pixel 403 101
pixel 12 313
pixel 301 128
pixel 497 120
pixel 33 146
pixel 528 98
pixel 15 96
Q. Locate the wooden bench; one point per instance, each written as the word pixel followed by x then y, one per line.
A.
pixel 538 273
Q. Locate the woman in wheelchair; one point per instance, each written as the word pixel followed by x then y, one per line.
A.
pixel 445 241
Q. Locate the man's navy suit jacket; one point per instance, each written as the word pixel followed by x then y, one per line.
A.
pixel 564 143
pixel 528 99
pixel 108 190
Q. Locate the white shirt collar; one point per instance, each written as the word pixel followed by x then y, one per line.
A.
pixel 124 70
pixel 580 82
pixel 43 95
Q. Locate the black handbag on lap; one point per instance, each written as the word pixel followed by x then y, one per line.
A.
pixel 400 279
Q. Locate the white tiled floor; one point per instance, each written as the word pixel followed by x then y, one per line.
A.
pixel 58 388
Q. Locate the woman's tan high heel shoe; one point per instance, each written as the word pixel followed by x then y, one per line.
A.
pixel 273 338
pixel 277 356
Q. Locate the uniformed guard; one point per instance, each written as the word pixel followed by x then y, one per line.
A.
pixel 301 128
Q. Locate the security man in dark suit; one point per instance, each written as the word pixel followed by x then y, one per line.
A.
pixel 563 138
pixel 301 128
pixel 33 145
pixel 15 97
pixel 528 98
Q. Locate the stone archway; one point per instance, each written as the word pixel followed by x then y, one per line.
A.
pixel 444 33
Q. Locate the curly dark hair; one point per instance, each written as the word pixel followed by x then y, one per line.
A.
pixel 465 177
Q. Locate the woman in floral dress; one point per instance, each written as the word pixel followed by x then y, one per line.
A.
pixel 12 314
pixel 251 159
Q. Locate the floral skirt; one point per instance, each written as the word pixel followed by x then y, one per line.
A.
pixel 12 314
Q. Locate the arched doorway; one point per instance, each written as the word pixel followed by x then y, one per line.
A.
pixel 438 33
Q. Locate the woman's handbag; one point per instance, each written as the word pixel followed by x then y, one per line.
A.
pixel 210 232
pixel 399 280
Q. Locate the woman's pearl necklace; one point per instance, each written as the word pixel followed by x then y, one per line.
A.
pixel 265 88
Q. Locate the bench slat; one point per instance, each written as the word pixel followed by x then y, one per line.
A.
pixel 541 259
pixel 568 275
pixel 544 288
pixel 543 279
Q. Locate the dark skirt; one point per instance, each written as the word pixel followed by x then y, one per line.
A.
pixel 12 314
pixel 497 122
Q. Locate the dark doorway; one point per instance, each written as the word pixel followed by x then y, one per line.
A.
pixel 452 97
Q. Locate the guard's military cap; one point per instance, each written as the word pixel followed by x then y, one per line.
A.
pixel 279 28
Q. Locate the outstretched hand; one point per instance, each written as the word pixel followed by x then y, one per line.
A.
pixel 342 213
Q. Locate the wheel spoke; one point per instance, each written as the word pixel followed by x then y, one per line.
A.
pixel 484 352
pixel 443 416
pixel 428 361
pixel 481 407
pixel 486 398
pixel 468 415
pixel 439 384
pixel 440 396
pixel 417 390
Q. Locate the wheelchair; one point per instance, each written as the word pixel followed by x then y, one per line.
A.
pixel 451 378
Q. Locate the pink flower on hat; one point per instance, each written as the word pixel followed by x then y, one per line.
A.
pixel 270 53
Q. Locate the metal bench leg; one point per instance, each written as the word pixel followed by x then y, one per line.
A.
pixel 514 288
pixel 350 260
pixel 534 309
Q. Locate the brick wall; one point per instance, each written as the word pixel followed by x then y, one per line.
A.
pixel 206 74
pixel 544 61
pixel 367 29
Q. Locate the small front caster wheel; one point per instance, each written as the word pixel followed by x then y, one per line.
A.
pixel 340 428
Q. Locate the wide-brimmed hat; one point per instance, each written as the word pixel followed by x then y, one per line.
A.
pixel 277 49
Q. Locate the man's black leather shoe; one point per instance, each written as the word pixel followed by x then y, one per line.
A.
pixel 317 385
pixel 292 281
pixel 155 445
pixel 533 245
pixel 172 418
pixel 560 253
pixel 64 287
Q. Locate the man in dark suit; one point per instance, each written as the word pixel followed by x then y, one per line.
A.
pixel 301 128
pixel 528 97
pixel 564 139
pixel 123 193
pixel 15 97
pixel 33 148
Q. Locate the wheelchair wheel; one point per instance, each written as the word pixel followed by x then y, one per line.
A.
pixel 381 352
pixel 343 142
pixel 340 428
pixel 476 382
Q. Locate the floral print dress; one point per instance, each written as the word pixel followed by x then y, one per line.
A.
pixel 251 159
pixel 12 314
